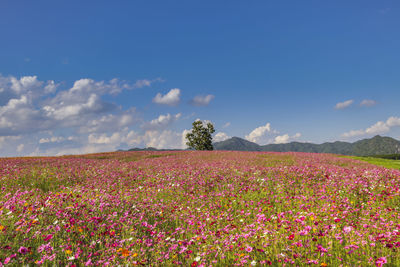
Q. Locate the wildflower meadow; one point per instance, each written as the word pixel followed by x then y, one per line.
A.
pixel 195 208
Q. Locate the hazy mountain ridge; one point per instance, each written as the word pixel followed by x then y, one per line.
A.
pixel 376 145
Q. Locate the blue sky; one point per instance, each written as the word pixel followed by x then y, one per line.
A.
pixel 83 76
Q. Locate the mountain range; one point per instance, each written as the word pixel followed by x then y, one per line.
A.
pixel 377 145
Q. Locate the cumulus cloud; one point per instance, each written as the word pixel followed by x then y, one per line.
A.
pixel 202 100
pixel 345 104
pixel 172 98
pixel 283 139
pixel 32 105
pixel 265 135
pixel 163 139
pixel 379 127
pixel 162 122
pixel 258 133
pixel 110 122
pixel 220 136
pixel 31 109
pixel 368 103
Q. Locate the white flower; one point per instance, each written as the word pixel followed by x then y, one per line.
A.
pixel 197 258
pixel 71 258
pixel 253 263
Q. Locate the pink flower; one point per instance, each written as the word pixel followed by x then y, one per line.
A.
pixel 379 262
pixel 347 229
pixel 249 249
pixel 23 250
pixel 48 237
pixel 321 248
pixel 7 260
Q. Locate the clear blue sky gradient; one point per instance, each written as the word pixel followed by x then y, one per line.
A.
pixel 283 62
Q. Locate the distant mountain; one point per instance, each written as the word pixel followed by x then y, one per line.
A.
pixel 377 145
pixel 149 149
pixel 238 144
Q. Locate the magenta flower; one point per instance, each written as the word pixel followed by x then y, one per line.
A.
pixel 23 250
pixel 48 237
pixel 379 262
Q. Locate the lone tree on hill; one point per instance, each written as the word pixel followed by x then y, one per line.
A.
pixel 200 137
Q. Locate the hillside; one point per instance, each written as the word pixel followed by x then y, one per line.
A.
pixel 237 144
pixel 377 145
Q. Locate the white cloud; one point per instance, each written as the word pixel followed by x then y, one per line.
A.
pixel 202 100
pixel 19 116
pixel 146 83
pixel 221 136
pixel 226 125
pixel 183 138
pixel 283 139
pixel 258 133
pixel 172 98
pixel 50 87
pixel 110 122
pixel 20 147
pixel 32 110
pixel 24 84
pixel 368 103
pixel 162 122
pixel 393 121
pixel 164 139
pixel 343 105
pixel 104 139
pixel 265 135
pixel 53 139
pixel 353 133
pixel 379 127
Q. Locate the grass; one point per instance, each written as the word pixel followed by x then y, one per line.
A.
pixel 387 163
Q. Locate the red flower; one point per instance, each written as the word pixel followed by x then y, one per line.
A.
pixel 194 264
pixel 291 237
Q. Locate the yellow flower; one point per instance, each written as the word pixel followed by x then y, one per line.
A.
pixel 1 227
pixel 324 264
pixel 134 254
pixel 68 251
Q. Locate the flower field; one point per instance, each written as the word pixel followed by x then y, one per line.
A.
pixel 198 209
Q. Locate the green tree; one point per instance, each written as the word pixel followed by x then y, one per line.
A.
pixel 200 137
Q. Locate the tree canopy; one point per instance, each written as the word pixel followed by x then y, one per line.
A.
pixel 200 138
